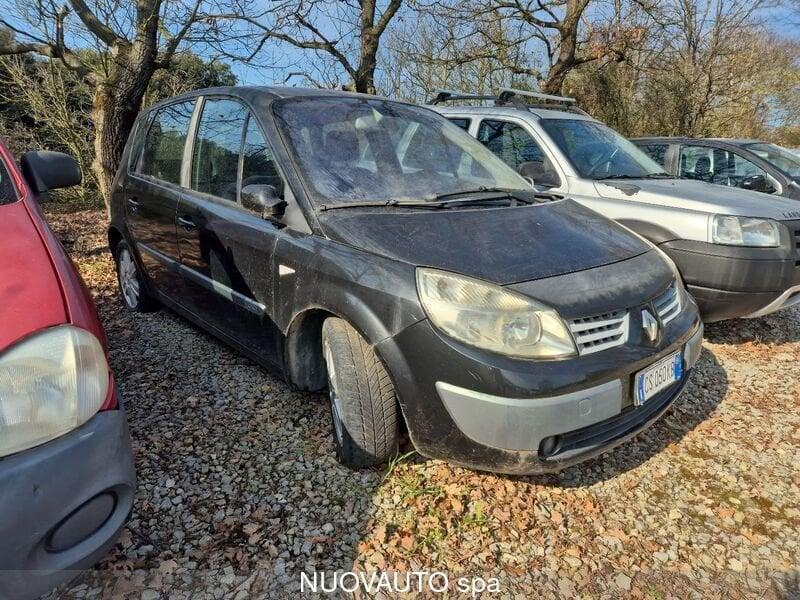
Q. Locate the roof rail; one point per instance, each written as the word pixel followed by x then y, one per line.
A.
pixel 509 96
pixel 449 95
pixel 506 95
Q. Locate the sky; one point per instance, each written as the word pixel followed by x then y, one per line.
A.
pixel 783 21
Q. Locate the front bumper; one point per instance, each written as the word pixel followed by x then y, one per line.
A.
pixel 63 504
pixel 730 282
pixel 497 414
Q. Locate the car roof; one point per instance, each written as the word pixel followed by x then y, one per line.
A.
pixel 251 92
pixel 510 111
pixel 684 140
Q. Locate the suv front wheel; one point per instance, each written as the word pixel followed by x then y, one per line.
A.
pixel 362 398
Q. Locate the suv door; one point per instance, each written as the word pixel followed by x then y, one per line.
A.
pixel 152 191
pixel 226 250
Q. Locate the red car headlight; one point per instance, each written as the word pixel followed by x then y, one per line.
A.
pixel 50 383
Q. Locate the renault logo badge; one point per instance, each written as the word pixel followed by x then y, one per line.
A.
pixel 650 325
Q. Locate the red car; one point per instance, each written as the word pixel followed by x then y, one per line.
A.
pixel 66 467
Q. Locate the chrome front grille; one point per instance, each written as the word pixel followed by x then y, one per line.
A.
pixel 600 332
pixel 668 304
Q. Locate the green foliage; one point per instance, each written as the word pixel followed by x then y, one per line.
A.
pixel 44 105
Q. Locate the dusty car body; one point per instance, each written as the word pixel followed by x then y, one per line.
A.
pixel 565 151
pixel 397 262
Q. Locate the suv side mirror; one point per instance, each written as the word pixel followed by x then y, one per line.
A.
pixel 540 172
pixel 758 183
pixel 45 170
pixel 264 200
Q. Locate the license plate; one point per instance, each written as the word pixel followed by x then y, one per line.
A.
pixel 657 377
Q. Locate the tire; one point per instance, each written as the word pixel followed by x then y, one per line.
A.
pixel 131 283
pixel 362 398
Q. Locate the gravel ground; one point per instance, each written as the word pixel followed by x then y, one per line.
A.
pixel 239 490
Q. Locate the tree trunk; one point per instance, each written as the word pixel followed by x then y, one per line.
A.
pixel 567 47
pixel 113 123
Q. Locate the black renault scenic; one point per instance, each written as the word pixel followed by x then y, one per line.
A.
pixel 375 249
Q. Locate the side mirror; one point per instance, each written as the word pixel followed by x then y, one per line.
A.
pixel 758 183
pixel 540 172
pixel 263 199
pixel 45 171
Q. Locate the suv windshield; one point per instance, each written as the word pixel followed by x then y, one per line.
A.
pixel 787 162
pixel 599 152
pixel 357 150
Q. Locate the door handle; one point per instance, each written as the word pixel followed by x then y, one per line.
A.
pixel 133 203
pixel 187 223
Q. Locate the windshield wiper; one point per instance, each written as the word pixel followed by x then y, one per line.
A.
pixel 373 204
pixel 650 176
pixel 437 201
pixel 479 190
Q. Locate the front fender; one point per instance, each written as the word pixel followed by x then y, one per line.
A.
pixel 376 295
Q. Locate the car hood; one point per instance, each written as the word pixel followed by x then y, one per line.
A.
pixel 700 196
pixel 30 292
pixel 502 245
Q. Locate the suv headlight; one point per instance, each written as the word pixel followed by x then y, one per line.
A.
pixel 745 231
pixel 50 383
pixel 490 317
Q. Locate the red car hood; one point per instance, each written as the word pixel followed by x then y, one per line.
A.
pixel 31 297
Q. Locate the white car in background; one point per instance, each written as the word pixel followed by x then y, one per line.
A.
pixel 737 250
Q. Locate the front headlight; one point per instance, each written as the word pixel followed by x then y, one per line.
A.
pixel 745 231
pixel 50 384
pixel 490 317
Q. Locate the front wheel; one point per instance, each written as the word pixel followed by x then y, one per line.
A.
pixel 131 283
pixel 362 398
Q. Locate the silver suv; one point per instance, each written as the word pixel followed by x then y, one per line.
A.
pixel 738 251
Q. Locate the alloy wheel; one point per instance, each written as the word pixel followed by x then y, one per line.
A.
pixel 128 278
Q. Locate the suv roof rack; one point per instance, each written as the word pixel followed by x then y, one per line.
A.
pixel 513 97
pixel 449 95
pixel 506 94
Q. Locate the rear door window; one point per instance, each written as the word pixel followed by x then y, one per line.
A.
pixel 510 142
pixel 215 155
pixel 162 154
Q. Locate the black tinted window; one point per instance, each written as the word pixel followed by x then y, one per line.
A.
pixel 258 163
pixel 463 123
pixel 658 152
pixel 162 155
pixel 8 192
pixel 510 142
pixel 215 157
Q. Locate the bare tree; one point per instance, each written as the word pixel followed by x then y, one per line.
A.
pixel 559 31
pixel 114 47
pixel 345 32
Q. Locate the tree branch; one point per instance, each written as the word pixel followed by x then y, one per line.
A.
pixel 94 25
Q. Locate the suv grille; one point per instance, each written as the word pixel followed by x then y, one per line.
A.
pixel 668 304
pixel 593 334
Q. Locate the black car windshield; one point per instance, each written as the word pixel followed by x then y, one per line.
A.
pixel 356 150
pixel 599 152
pixel 786 162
